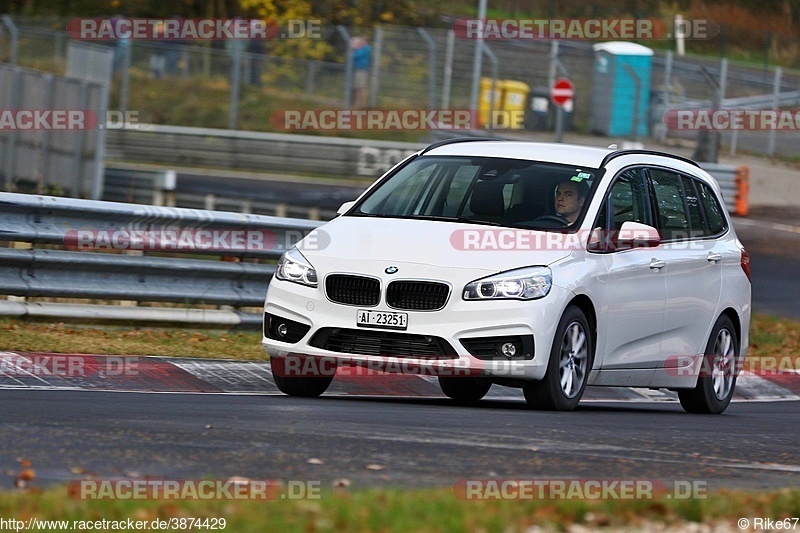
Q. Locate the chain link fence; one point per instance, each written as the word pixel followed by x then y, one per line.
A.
pixel 199 84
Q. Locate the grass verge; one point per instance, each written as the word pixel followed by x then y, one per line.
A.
pixel 416 510
pixel 22 336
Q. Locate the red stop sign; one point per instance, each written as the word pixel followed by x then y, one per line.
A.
pixel 562 91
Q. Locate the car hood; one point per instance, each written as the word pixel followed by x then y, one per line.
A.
pixel 434 243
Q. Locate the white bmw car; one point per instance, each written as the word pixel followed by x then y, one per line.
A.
pixel 546 267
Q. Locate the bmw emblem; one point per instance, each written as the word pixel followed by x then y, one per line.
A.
pixel 391 270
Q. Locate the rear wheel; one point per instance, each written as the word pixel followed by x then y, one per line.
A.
pixel 466 389
pixel 568 369
pixel 304 386
pixel 717 380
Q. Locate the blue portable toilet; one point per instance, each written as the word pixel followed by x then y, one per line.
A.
pixel 614 104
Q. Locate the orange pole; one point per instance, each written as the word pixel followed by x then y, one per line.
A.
pixel 742 205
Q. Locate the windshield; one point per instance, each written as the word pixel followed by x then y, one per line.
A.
pixel 504 192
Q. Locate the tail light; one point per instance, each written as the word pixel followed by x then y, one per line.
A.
pixel 745 262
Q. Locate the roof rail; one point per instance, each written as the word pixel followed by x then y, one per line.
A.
pixel 619 153
pixel 456 140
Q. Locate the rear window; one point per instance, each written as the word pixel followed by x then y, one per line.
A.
pixel 714 215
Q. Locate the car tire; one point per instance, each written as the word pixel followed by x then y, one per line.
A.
pixel 465 390
pixel 571 358
pixel 302 386
pixel 717 380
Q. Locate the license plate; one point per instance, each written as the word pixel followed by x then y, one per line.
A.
pixel 381 319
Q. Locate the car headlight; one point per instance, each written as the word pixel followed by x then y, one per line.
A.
pixel 292 266
pixel 522 284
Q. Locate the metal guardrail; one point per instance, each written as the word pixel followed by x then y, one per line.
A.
pixel 247 150
pixel 225 190
pixel 277 152
pixel 113 276
pixel 734 182
pixel 759 101
pixel 48 220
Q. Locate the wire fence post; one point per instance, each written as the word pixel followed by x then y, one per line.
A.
pixel 448 69
pixel 668 70
pixel 637 91
pixel 431 67
pixel 311 74
pixel 236 79
pixel 720 99
pixel 377 50
pixel 98 165
pixel 44 145
pixel 59 48
pixel 776 93
pixel 14 34
pixel 126 76
pixel 477 61
pixel 347 101
pixel 493 90
pixel 11 139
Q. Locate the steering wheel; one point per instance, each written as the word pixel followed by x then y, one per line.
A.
pixel 553 219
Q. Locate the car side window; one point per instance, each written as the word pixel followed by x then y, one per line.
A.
pixel 671 219
pixel 626 201
pixel 696 218
pixel 456 195
pixel 712 209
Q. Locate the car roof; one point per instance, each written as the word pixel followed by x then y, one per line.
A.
pixel 566 154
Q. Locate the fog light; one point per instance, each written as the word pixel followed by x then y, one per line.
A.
pixel 283 329
pixel 508 349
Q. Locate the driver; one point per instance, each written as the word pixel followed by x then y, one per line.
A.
pixel 570 196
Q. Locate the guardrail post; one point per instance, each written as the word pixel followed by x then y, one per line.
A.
pixel 165 185
pixel 742 180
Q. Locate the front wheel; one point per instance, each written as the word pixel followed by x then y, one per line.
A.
pixel 303 386
pixel 568 369
pixel 466 389
pixel 717 380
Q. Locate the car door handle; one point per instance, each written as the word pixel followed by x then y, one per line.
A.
pixel 714 257
pixel 657 264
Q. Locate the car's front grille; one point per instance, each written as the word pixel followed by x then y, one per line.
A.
pixel 353 290
pixel 417 295
pixel 382 343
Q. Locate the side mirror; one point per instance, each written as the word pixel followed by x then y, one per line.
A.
pixel 637 235
pixel 345 207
